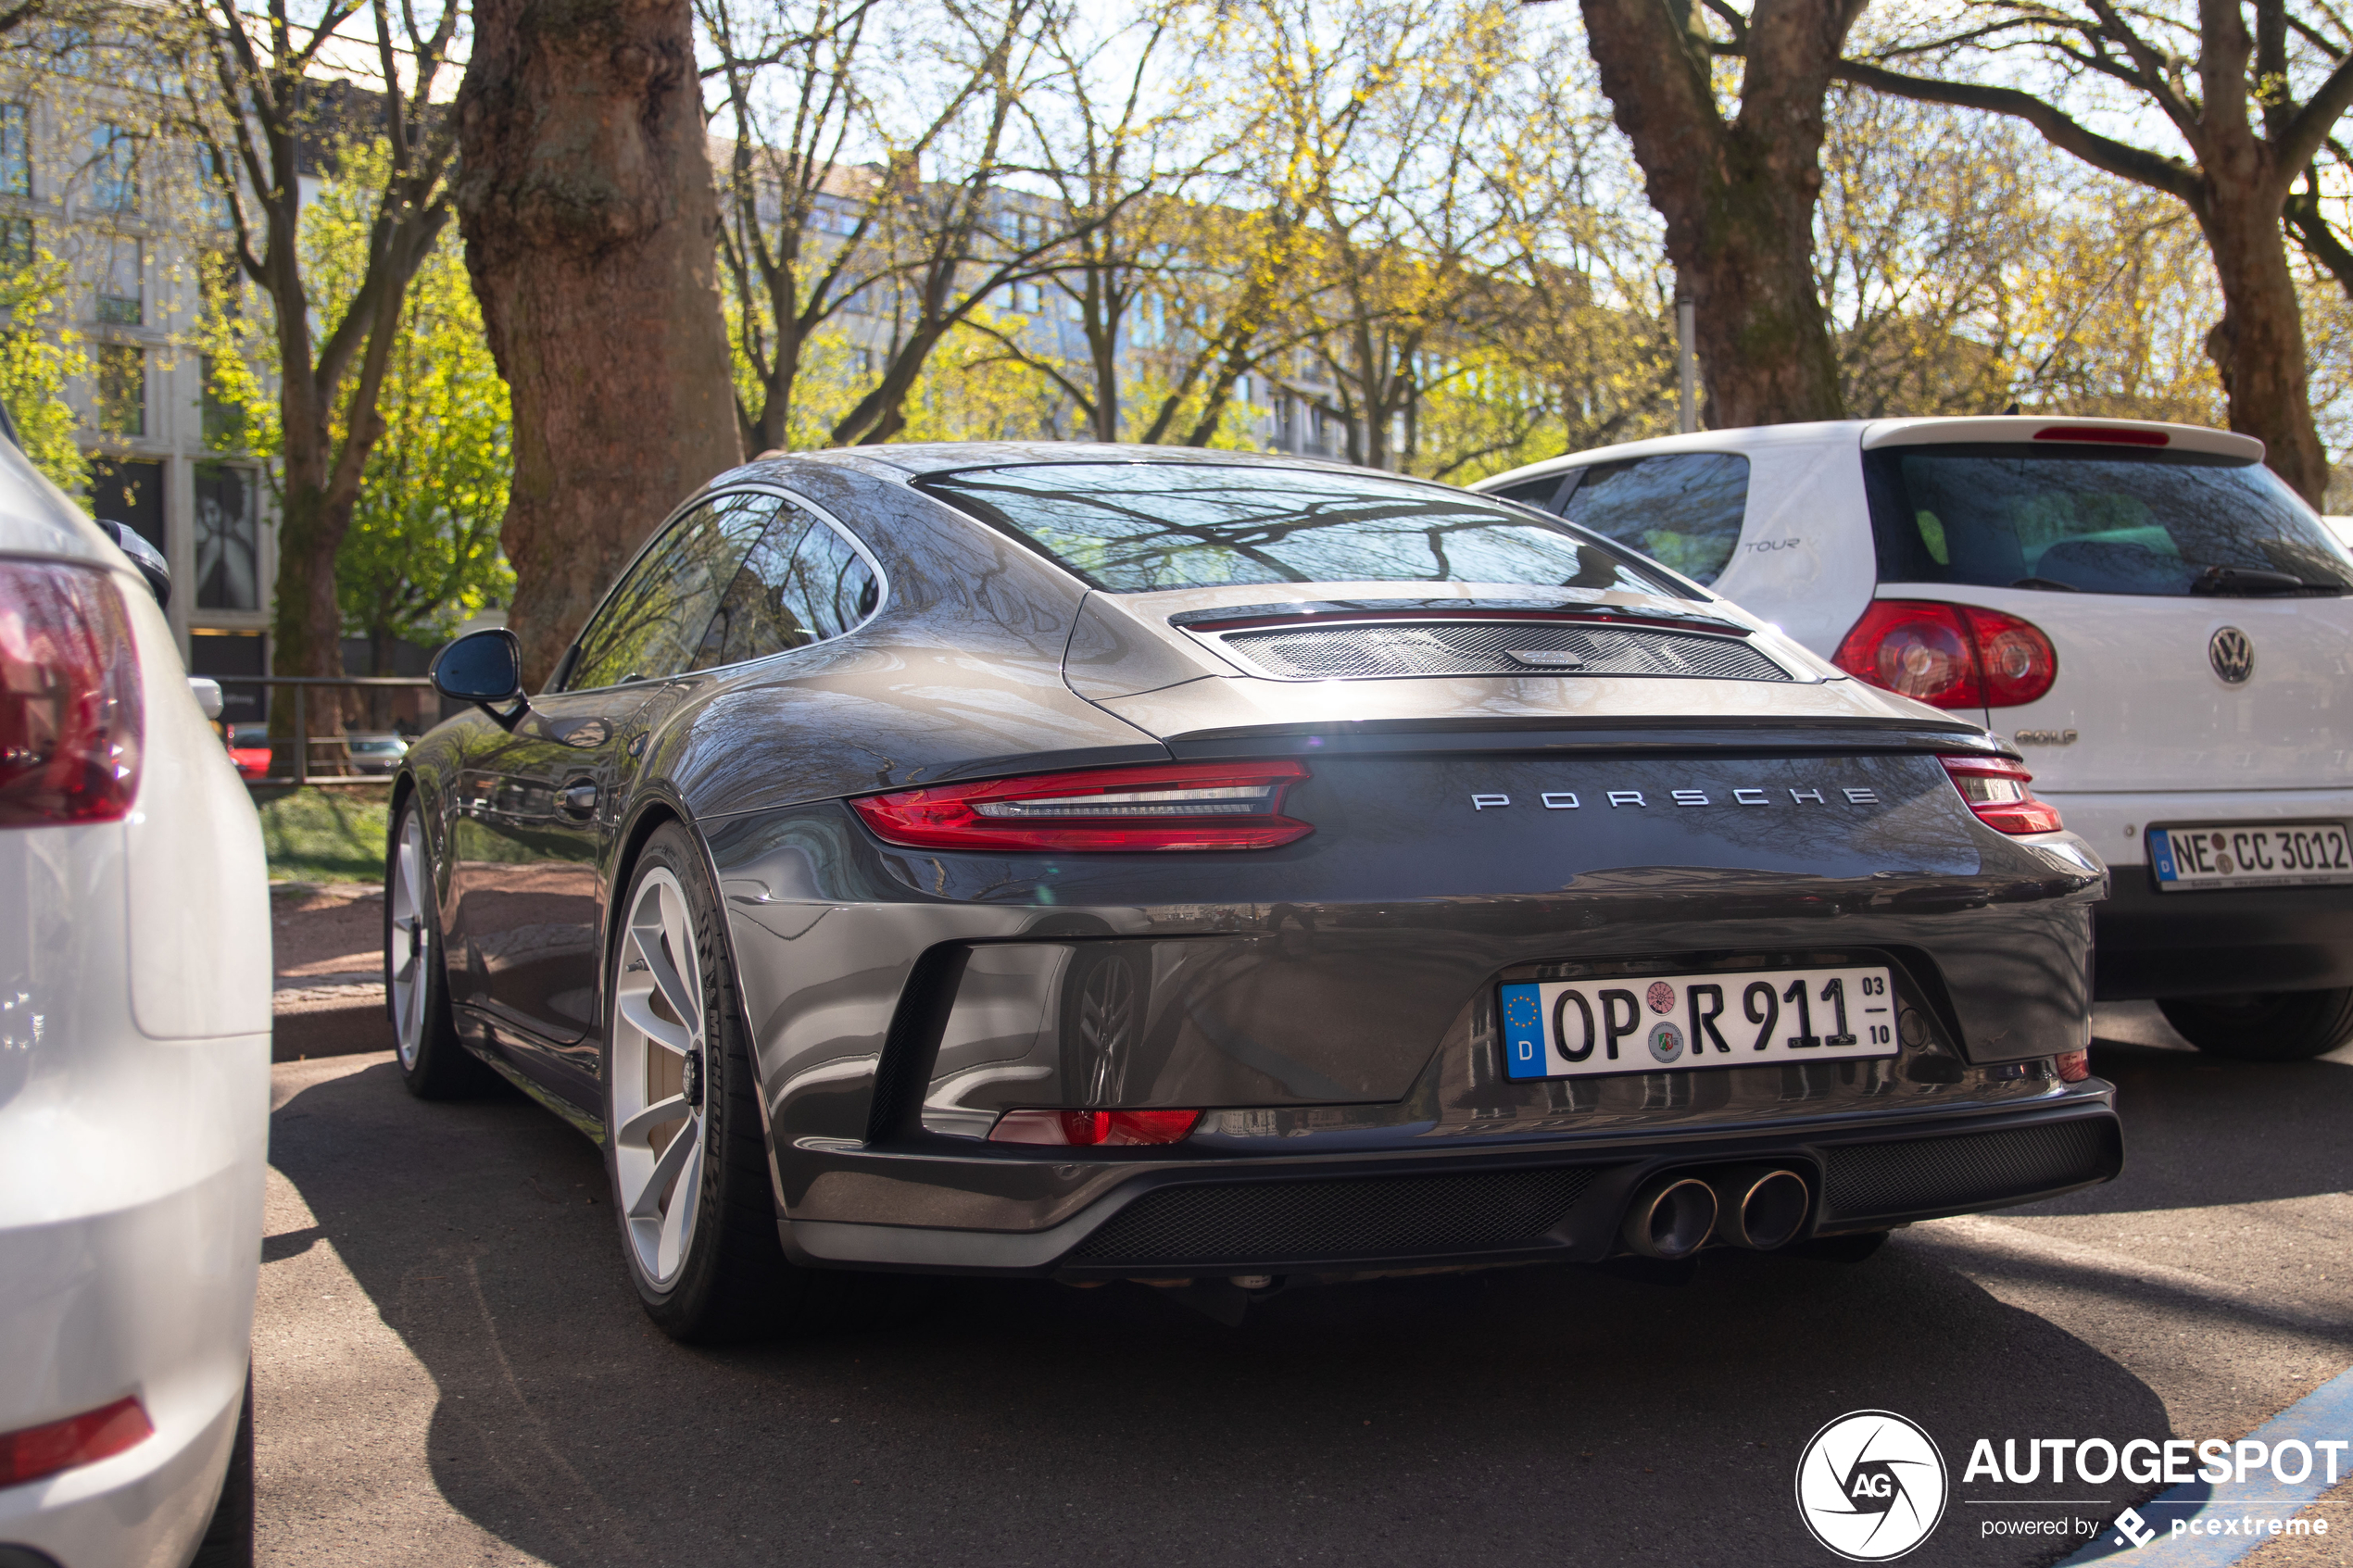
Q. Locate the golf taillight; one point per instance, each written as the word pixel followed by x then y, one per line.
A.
pixel 1999 796
pixel 1169 806
pixel 1093 1129
pixel 70 712
pixel 1951 656
pixel 36 1451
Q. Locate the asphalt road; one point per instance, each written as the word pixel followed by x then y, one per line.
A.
pixel 452 1369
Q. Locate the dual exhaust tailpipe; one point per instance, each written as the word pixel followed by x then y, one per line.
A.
pixel 1759 1206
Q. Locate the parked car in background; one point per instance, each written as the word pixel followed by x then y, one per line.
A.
pixel 250 749
pixel 377 753
pixel 134 1068
pixel 1097 862
pixel 2148 613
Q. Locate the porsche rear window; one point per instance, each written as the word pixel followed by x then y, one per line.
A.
pixel 2167 523
pixel 1139 528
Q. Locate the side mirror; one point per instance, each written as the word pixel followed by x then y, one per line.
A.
pixel 483 667
pixel 145 557
pixel 206 691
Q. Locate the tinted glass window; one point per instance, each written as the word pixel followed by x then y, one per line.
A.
pixel 1683 509
pixel 1134 528
pixel 799 584
pixel 1537 492
pixel 653 623
pixel 2100 523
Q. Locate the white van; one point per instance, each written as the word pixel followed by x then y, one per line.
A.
pixel 2156 621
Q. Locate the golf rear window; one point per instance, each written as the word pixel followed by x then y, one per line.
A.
pixel 1137 528
pixel 2002 515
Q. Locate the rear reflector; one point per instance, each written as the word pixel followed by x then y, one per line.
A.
pixel 2126 437
pixel 2073 1066
pixel 1951 656
pixel 70 712
pixel 1998 793
pixel 1093 1129
pixel 79 1439
pixel 1167 806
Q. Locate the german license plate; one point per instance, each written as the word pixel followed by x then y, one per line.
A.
pixel 1665 1023
pixel 2274 855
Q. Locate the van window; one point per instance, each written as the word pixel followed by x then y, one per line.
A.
pixel 1683 509
pixel 2004 516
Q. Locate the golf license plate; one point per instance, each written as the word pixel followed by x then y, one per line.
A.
pixel 2188 859
pixel 1666 1022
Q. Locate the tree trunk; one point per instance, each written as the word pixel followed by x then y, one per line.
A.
pixel 2258 346
pixel 1736 198
pixel 590 221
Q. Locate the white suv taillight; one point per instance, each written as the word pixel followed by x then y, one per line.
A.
pixel 70 712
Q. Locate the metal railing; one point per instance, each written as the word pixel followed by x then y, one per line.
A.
pixel 301 742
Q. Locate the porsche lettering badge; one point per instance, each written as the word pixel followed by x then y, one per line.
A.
pixel 1567 800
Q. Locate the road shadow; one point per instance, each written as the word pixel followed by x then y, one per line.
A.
pixel 1521 1416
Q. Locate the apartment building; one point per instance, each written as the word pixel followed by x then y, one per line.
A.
pixel 86 183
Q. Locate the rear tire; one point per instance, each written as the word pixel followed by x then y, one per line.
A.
pixel 2264 1025
pixel 433 1063
pixel 228 1538
pixel 698 1224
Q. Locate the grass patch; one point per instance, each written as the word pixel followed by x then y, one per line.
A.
pixel 325 834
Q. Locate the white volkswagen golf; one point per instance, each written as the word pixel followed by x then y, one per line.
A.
pixel 134 1069
pixel 2157 622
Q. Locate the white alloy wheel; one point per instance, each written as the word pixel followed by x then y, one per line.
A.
pixel 657 1068
pixel 408 940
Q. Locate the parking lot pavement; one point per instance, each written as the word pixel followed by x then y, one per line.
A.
pixel 452 1369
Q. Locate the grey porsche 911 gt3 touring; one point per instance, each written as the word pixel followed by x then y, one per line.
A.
pixel 1097 862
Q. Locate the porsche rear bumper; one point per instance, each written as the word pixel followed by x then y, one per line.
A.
pixel 1557 1201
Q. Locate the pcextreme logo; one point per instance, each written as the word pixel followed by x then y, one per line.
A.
pixel 1871 1485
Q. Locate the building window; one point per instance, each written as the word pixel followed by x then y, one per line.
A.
pixel 114 167
pixel 224 417
pixel 122 389
pixel 228 539
pixel 15 244
pixel 16 150
pixel 121 294
pixel 133 493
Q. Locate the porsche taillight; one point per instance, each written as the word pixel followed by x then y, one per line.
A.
pixel 1168 806
pixel 69 708
pixel 2000 794
pixel 1950 656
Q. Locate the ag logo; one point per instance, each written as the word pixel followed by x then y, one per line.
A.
pixel 1871 1485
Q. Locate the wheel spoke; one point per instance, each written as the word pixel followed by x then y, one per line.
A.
pixel 678 1220
pixel 634 1131
pixel 636 1011
pixel 686 991
pixel 646 1203
pixel 647 940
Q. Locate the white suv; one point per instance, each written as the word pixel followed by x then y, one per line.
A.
pixel 2157 622
pixel 134 1068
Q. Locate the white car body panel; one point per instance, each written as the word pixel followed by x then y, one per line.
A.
pixel 134 1091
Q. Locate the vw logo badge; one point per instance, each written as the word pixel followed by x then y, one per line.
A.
pixel 1871 1485
pixel 2233 655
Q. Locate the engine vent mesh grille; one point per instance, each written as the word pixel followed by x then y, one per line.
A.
pixel 1360 651
pixel 1918 1175
pixel 1355 1217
